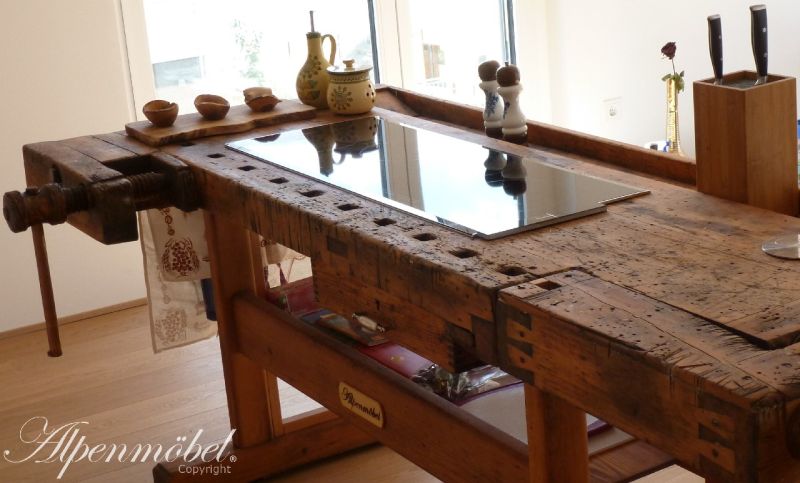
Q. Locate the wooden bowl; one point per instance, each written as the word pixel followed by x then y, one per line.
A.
pixel 211 107
pixel 253 92
pixel 260 99
pixel 161 113
pixel 263 103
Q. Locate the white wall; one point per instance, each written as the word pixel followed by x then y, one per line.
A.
pixel 63 73
pixel 605 50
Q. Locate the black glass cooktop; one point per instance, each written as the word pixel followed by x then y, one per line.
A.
pixel 459 184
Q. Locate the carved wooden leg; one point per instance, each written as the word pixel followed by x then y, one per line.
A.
pixel 557 440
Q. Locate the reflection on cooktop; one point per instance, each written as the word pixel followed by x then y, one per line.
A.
pixel 460 184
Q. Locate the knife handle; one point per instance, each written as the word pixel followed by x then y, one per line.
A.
pixel 758 17
pixel 715 44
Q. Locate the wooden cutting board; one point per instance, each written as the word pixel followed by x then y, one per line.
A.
pixel 239 119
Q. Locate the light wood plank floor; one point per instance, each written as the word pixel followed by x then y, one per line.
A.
pixel 110 378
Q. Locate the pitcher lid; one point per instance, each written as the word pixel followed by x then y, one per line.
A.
pixel 348 68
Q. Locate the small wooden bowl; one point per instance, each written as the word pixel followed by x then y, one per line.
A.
pixel 253 92
pixel 211 107
pixel 263 103
pixel 260 99
pixel 161 113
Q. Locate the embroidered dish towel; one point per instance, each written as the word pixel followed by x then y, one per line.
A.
pixel 176 260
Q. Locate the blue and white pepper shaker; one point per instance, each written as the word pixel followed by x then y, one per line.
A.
pixel 493 112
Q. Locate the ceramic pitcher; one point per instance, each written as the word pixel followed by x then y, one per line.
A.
pixel 312 80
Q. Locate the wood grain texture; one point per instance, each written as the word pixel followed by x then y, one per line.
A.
pixel 69 319
pixel 239 119
pixel 557 441
pixel 697 392
pixel 634 244
pixel 247 384
pixel 746 141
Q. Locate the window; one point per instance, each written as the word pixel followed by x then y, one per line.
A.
pixel 206 46
pixel 442 43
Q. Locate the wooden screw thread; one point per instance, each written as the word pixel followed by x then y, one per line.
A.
pixel 52 203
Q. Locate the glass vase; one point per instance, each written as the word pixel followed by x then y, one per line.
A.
pixel 673 127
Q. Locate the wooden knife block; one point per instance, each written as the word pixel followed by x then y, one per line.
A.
pixel 746 141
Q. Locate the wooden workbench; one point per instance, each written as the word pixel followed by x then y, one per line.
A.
pixel 661 316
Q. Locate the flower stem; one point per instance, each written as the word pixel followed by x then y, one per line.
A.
pixel 673 67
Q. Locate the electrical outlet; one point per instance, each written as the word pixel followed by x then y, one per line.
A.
pixel 612 108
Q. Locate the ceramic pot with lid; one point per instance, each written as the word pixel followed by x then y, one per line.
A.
pixel 350 90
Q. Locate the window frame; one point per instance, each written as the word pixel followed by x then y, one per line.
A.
pixel 388 18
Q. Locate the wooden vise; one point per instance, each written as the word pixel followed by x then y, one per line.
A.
pixel 97 188
pixel 100 199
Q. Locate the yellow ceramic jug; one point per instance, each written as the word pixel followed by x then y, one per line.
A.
pixel 312 80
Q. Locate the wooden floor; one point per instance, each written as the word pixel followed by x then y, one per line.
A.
pixel 110 378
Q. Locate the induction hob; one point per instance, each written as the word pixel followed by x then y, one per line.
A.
pixel 460 184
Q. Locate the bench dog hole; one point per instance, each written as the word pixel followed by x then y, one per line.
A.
pixel 464 253
pixel 384 221
pixel 279 180
pixel 512 271
pixel 348 206
pixel 425 236
pixel 547 284
pixel 247 168
pixel 312 193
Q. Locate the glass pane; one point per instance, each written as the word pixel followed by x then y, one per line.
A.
pixel 208 46
pixel 456 183
pixel 445 41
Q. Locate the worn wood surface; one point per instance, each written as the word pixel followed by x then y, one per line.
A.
pixel 693 372
pixel 50 162
pixel 746 141
pixel 98 186
pixel 240 118
pixel 707 397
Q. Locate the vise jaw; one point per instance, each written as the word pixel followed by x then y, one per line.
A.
pixel 100 198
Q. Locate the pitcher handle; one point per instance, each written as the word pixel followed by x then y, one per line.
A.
pixel 333 46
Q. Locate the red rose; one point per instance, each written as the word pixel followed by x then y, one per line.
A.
pixel 669 50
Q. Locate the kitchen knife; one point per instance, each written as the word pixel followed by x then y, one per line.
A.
pixel 715 46
pixel 758 17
